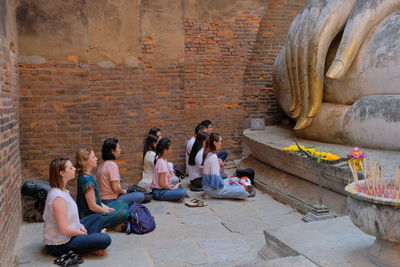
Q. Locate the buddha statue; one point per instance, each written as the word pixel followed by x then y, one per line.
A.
pixel 339 74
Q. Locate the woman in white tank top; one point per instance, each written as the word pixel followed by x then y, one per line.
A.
pixel 63 231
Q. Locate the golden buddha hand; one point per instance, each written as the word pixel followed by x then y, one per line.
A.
pixel 310 36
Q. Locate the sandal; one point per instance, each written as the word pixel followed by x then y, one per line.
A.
pixel 195 203
pixel 69 259
pixel 75 258
pixel 61 260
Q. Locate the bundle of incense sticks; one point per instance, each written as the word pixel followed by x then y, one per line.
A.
pixel 375 183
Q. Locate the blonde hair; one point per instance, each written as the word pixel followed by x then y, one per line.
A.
pixel 81 156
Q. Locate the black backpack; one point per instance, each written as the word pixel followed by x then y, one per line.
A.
pixel 248 172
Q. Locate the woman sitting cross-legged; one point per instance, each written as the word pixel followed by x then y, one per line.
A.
pixel 109 178
pixel 213 184
pixel 162 187
pixel 149 154
pixel 88 198
pixel 195 168
pixel 63 231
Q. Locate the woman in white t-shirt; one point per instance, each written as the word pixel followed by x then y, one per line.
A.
pixel 63 231
pixel 149 155
pixel 213 184
pixel 163 189
pixel 195 168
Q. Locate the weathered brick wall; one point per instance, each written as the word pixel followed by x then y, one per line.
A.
pixel 223 74
pixel 10 169
pixel 216 57
pixel 259 98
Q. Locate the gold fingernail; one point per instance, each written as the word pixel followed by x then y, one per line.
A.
pixel 336 69
pixel 302 123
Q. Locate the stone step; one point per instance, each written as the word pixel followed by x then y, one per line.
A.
pixel 335 243
pixel 292 261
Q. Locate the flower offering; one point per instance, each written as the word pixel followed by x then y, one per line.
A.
pixel 356 157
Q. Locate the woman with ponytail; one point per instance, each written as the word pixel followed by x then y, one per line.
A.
pixel 213 184
pixel 163 189
pixel 195 168
pixel 149 154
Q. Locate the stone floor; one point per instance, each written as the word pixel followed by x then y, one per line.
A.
pixel 224 233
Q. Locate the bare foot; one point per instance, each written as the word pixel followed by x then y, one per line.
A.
pixel 100 252
pixel 104 230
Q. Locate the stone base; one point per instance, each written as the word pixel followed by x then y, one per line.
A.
pixel 298 193
pixel 318 213
pixel 294 179
pixel 385 253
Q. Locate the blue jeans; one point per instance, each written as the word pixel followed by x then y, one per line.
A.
pixel 172 194
pixel 93 241
pixel 136 197
pixel 235 191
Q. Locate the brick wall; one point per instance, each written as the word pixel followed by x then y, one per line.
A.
pixel 259 99
pixel 10 173
pixel 224 75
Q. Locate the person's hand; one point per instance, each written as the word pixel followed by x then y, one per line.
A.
pixel 83 230
pixel 110 209
pixel 176 186
pixel 310 36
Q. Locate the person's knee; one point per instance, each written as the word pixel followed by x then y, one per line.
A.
pixel 104 240
pixel 137 197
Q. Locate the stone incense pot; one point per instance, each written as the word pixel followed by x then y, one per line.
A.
pixel 379 217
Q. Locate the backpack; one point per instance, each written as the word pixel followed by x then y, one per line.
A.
pixel 140 220
pixel 248 172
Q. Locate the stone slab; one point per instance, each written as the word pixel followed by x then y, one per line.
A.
pixel 224 233
pixel 296 261
pixel 334 242
pixel 266 146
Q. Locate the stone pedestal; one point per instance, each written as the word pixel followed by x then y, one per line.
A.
pixel 379 217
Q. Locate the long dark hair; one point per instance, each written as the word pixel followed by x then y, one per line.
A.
pixel 149 144
pixel 199 128
pixel 162 145
pixel 206 123
pixel 154 131
pixel 210 147
pixel 109 145
pixel 198 144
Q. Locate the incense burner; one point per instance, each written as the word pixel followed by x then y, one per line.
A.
pixel 379 217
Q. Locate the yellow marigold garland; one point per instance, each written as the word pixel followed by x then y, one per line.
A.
pixel 311 150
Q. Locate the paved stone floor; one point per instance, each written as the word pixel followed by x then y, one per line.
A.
pixel 224 233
